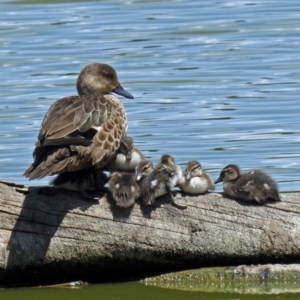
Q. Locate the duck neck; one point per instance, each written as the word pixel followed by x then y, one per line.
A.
pixel 87 91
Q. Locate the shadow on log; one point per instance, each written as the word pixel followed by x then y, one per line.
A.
pixel 62 237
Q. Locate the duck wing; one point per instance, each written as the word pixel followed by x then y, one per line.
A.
pixel 73 121
pixel 266 187
pixel 253 187
pixel 66 138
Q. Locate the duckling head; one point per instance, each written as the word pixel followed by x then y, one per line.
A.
pixel 144 168
pixel 126 147
pixel 167 159
pixel 229 173
pixel 193 169
pixel 99 78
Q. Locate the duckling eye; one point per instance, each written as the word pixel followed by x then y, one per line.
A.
pixel 229 172
pixel 123 149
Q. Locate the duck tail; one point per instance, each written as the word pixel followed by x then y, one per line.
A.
pixel 48 161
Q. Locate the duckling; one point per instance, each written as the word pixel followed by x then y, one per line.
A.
pixel 160 181
pixel 195 180
pixel 127 158
pixel 124 188
pixel 84 131
pixel 253 186
pixel 144 168
pixel 82 180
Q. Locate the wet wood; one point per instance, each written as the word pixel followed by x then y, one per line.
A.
pixel 56 236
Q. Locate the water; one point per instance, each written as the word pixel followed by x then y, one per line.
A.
pixel 214 81
pixel 129 291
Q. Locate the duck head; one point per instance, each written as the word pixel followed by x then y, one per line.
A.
pixel 99 78
pixel 144 168
pixel 229 173
pixel 167 159
pixel 193 169
pixel 126 147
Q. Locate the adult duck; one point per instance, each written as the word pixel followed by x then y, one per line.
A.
pixel 83 131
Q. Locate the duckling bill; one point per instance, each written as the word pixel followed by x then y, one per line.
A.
pixel 84 131
pixel 253 186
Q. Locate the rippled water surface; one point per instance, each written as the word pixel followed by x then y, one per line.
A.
pixel 215 81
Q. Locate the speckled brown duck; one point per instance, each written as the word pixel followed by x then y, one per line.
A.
pixel 83 131
pixel 253 186
pixel 195 180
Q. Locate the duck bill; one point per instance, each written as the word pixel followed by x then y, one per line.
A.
pixel 128 156
pixel 218 180
pixel 138 176
pixel 187 176
pixel 120 91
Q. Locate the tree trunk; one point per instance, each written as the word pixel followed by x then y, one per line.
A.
pixel 53 238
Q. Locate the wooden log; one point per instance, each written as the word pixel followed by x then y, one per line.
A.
pixel 63 237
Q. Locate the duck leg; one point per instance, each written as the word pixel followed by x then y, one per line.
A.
pixel 173 200
pixel 85 195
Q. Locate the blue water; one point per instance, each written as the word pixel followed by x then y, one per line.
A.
pixel 214 81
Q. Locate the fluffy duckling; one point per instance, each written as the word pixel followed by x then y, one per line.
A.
pixel 253 186
pixel 160 181
pixel 84 131
pixel 195 180
pixel 144 168
pixel 124 188
pixel 127 158
pixel 82 181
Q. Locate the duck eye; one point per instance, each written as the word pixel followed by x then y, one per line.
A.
pixel 108 76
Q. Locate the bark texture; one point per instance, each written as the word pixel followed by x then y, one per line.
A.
pixel 52 238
